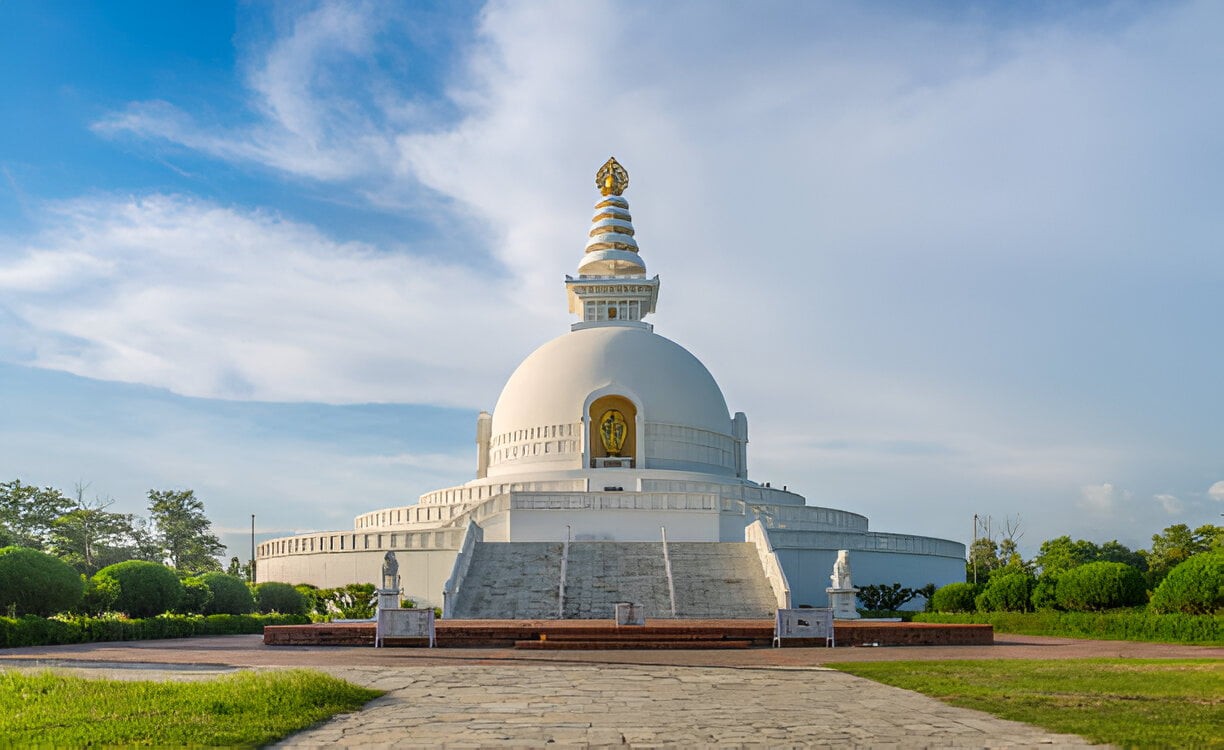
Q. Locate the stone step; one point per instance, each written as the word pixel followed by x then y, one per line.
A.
pixel 607 645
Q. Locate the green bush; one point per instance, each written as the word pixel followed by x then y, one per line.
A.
pixel 1195 586
pixel 145 588
pixel 280 597
pixel 100 596
pixel 316 598
pixel 1121 624
pixel 38 631
pixel 230 595
pixel 955 597
pixel 196 597
pixel 1045 591
pixel 35 583
pixel 1006 592
pixel 1100 585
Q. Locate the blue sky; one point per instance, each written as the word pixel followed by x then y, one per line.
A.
pixel 950 259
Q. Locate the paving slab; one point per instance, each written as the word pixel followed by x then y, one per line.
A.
pixel 482 697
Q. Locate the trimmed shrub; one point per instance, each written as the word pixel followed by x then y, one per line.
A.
pixel 1008 592
pixel 1119 624
pixel 100 596
pixel 955 597
pixel 230 595
pixel 1195 586
pixel 35 583
pixel 1045 591
pixel 196 597
pixel 280 597
pixel 38 631
pixel 145 588
pixel 1100 585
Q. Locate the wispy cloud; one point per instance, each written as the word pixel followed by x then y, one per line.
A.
pixel 227 303
pixel 1170 503
pixel 1103 498
pixel 1216 491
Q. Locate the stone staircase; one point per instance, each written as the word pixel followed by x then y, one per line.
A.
pixel 721 580
pixel 600 574
pixel 519 580
pixel 511 581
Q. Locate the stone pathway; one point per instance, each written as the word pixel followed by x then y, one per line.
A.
pixel 649 706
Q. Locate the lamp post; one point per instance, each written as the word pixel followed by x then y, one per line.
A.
pixel 252 565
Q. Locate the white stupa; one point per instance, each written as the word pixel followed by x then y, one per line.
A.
pixel 609 434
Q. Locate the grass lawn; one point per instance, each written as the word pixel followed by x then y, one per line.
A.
pixel 243 709
pixel 1127 702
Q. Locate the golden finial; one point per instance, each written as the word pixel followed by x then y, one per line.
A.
pixel 611 179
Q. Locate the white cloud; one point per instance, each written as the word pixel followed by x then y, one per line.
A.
pixel 1216 491
pixel 224 303
pixel 1103 497
pixel 1170 503
pixel 877 230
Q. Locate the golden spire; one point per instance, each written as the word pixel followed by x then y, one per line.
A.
pixel 611 179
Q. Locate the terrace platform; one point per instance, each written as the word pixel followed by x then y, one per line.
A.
pixel 655 634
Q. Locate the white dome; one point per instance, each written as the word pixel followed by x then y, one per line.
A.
pixel 681 409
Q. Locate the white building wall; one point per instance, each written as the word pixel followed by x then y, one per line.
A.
pixel 422 572
pixel 807 571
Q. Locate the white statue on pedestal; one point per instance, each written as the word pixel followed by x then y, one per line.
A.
pixel 389 592
pixel 841 571
pixel 842 592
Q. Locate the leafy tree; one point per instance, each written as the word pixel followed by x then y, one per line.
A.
pixel 1006 592
pixel 230 595
pixel 183 531
pixel 1195 586
pixel 1177 544
pixel 196 597
pixel 884 597
pixel 955 597
pixel 89 537
pixel 1100 585
pixel 983 558
pixel 35 583
pixel 145 588
pixel 1115 551
pixel 27 513
pixel 280 597
pixel 1057 555
pixel 234 568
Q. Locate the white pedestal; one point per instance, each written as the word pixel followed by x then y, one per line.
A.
pixel 841 601
pixel 388 598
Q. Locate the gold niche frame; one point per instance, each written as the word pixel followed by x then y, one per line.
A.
pixel 612 429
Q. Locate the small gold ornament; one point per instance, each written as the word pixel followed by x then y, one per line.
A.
pixel 612 432
pixel 611 179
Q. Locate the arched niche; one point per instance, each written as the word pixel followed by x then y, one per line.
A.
pixel 618 415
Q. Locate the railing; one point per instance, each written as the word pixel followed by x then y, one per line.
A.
pixel 463 561
pixel 756 534
pixel 683 501
pixel 564 569
pixel 869 542
pixel 671 582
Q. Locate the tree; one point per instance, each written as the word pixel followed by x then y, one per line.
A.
pixel 1195 586
pixel 230 595
pixel 27 513
pixel 885 598
pixel 1176 544
pixel 1058 555
pixel 183 531
pixel 88 537
pixel 235 568
pixel 35 583
pixel 144 589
